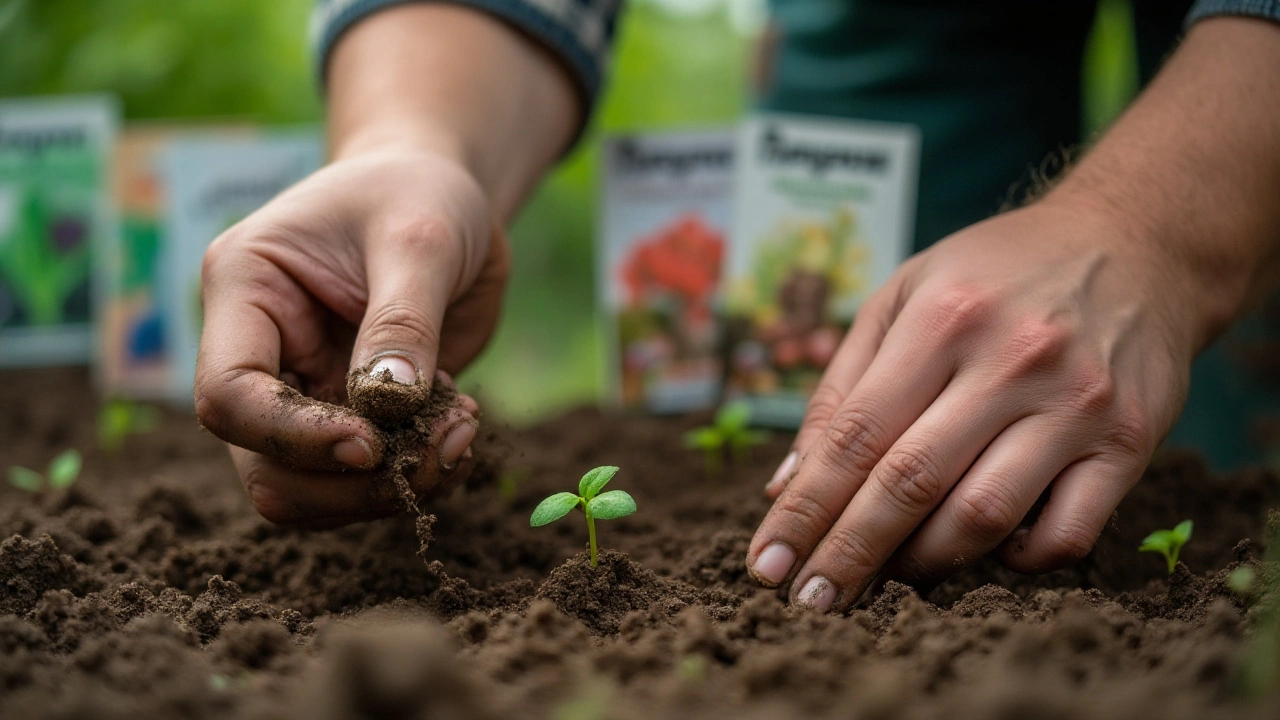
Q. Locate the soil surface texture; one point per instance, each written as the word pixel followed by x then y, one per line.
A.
pixel 152 589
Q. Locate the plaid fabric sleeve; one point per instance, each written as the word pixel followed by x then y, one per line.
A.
pixel 1265 9
pixel 580 32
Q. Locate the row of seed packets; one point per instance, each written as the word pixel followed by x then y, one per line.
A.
pixel 102 233
pixel 731 262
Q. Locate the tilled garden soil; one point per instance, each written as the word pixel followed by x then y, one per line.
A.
pixel 152 589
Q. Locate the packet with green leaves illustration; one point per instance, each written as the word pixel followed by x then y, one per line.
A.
pixel 55 213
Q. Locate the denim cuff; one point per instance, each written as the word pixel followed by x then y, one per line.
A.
pixel 1265 9
pixel 579 32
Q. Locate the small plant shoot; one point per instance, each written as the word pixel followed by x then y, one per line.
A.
pixel 728 435
pixel 1168 542
pixel 119 419
pixel 593 503
pixel 62 473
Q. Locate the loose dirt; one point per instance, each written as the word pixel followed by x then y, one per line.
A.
pixel 151 589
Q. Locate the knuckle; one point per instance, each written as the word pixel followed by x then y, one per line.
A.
pixel 1093 390
pixel 852 437
pixel 823 405
pixel 846 548
pixel 911 477
pixel 1130 433
pixel 803 516
pixel 987 512
pixel 960 309
pixel 400 323
pixel 1036 346
pixel 419 235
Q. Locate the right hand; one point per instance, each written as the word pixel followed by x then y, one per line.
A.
pixel 384 259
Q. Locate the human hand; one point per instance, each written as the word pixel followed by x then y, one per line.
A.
pixel 377 261
pixel 1043 348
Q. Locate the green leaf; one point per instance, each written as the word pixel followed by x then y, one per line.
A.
pixel 25 478
pixel 1183 532
pixel 703 438
pixel 1159 541
pixel 610 505
pixel 65 468
pixel 594 481
pixel 553 508
pixel 733 417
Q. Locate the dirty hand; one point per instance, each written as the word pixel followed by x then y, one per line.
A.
pixel 1039 349
pixel 380 261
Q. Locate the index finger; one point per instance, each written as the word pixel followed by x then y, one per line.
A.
pixel 238 394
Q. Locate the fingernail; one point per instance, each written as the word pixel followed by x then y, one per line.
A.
pixel 456 443
pixel 1017 540
pixel 400 369
pixel 818 594
pixel 354 452
pixel 774 563
pixel 783 473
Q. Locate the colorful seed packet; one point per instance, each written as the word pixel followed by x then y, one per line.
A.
pixel 132 356
pixel 55 214
pixel 212 184
pixel 823 213
pixel 663 235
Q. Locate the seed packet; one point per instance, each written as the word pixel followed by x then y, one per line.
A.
pixel 55 212
pixel 212 184
pixel 823 214
pixel 662 240
pixel 132 359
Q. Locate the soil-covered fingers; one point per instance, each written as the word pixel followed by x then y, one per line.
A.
pixel 290 496
pixel 903 380
pixel 903 488
pixel 238 394
pixel 851 361
pixel 989 502
pixel 1082 500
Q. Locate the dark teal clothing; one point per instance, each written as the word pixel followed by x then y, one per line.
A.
pixel 994 87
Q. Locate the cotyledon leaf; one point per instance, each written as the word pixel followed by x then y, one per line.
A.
pixel 553 508
pixel 610 505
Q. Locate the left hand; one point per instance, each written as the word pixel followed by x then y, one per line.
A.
pixel 1043 348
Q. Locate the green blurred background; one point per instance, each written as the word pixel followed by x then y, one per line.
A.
pixel 678 64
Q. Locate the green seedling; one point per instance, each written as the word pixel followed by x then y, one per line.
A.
pixel 509 484
pixel 62 473
pixel 1168 542
pixel 594 504
pixel 728 435
pixel 1241 579
pixel 119 419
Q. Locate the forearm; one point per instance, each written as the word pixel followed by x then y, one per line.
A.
pixel 453 81
pixel 1192 169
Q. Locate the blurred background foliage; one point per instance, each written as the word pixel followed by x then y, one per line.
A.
pixel 678 64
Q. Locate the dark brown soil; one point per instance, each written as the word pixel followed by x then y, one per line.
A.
pixel 152 590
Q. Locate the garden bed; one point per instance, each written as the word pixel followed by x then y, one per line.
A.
pixel 152 589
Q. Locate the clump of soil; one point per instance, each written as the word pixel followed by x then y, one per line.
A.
pixel 152 589
pixel 404 416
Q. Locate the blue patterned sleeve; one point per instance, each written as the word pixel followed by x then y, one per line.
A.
pixel 580 32
pixel 1265 9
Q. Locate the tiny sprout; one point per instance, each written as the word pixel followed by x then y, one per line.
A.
pixel 120 418
pixel 727 434
pixel 1168 542
pixel 1241 579
pixel 62 473
pixel 594 504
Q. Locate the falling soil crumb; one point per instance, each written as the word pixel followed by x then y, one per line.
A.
pixel 152 589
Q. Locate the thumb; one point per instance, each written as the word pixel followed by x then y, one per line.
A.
pixel 412 275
